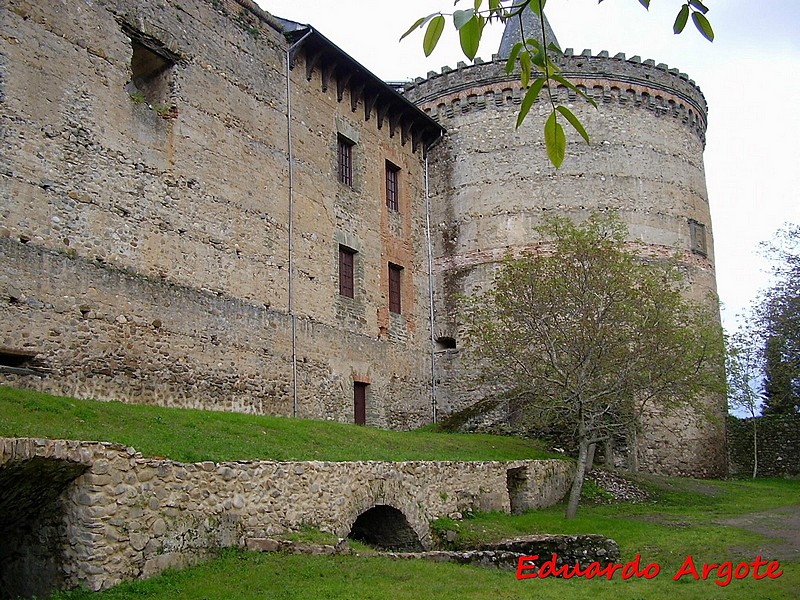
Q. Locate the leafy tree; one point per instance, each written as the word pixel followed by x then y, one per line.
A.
pixel 532 56
pixel 744 362
pixel 587 334
pixel 780 316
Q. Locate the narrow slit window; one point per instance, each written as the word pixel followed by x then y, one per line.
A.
pixel 345 160
pixel 392 187
pixel 346 271
pixel 395 281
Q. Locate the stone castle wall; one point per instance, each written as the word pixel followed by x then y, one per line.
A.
pixel 166 243
pixel 118 516
pixel 492 184
pixel 778 440
pixel 114 334
pixel 146 226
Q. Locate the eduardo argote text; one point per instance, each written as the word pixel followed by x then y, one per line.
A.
pixel 722 573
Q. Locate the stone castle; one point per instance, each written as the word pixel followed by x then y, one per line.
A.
pixel 207 206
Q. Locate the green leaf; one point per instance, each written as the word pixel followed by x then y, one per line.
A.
pixel 645 3
pixel 418 23
pixel 570 85
pixel 525 67
pixel 477 5
pixel 703 26
pixel 699 6
pixel 534 43
pixel 573 120
pixel 529 99
pixel 511 63
pixel 470 36
pixel 555 140
pixel 537 6
pixel 462 17
pixel 432 34
pixel 680 20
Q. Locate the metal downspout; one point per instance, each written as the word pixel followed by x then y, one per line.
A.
pixel 290 152
pixel 434 407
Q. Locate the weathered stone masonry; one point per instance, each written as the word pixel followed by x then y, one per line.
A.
pixel 145 220
pixel 164 242
pixel 95 514
pixel 492 184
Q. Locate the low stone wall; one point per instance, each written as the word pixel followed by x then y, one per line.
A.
pixel 567 549
pixel 127 516
pixel 778 445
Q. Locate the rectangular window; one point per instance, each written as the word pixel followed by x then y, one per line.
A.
pixel 697 237
pixel 360 403
pixel 346 279
pixel 395 272
pixel 392 187
pixel 345 161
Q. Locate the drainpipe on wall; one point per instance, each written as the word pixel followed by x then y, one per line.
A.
pixel 290 159
pixel 434 407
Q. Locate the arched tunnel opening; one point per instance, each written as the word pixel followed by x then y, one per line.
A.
pixel 386 528
pixel 32 528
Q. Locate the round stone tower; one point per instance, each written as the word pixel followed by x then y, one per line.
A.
pixel 492 184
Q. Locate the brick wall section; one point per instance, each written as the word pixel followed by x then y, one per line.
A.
pixel 128 516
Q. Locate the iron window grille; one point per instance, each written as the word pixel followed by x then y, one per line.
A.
pixel 345 161
pixel 392 187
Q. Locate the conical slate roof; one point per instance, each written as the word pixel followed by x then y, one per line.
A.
pixel 527 23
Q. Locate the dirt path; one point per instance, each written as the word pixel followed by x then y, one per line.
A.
pixel 782 525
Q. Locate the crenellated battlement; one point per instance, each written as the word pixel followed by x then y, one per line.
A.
pixel 605 78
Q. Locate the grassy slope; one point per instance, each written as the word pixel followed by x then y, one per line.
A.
pixel 195 435
pixel 685 520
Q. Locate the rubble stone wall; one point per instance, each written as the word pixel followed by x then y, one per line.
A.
pixel 127 516
pixel 645 163
pixel 144 228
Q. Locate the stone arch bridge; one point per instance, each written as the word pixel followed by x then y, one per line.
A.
pixel 94 514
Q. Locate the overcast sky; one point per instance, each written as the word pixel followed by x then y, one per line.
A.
pixel 750 76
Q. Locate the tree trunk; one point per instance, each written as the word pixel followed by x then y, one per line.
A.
pixel 755 448
pixel 590 459
pixel 633 450
pixel 609 451
pixel 577 482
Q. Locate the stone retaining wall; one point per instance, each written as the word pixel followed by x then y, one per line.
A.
pixel 127 516
pixel 778 445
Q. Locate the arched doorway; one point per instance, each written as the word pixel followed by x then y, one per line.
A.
pixel 386 528
pixel 32 527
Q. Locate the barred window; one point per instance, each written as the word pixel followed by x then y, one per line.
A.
pixel 345 160
pixel 392 186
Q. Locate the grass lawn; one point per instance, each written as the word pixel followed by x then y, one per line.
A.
pixel 196 435
pixel 686 517
pixel 685 520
